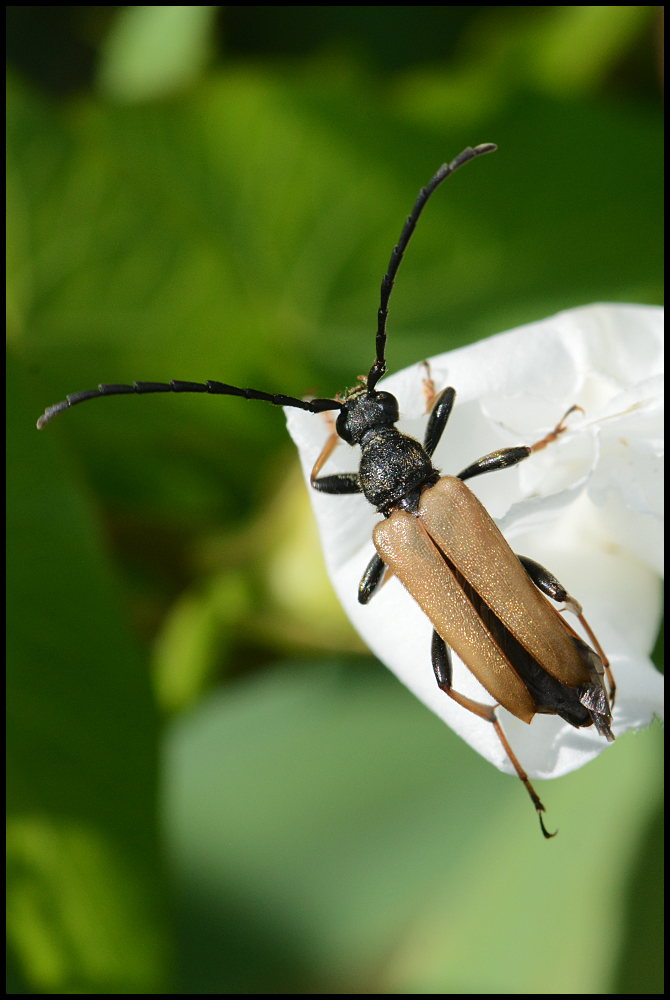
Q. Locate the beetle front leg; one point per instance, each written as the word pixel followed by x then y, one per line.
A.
pixel 547 583
pixel 344 482
pixel 327 450
pixel 504 458
pixel 441 657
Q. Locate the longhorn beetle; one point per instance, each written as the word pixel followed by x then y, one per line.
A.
pixel 485 602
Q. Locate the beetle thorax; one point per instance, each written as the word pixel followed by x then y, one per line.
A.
pixel 394 470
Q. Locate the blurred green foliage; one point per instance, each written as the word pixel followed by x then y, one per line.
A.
pixel 314 827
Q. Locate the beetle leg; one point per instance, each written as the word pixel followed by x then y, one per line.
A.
pixel 506 457
pixel 438 420
pixel 328 449
pixel 430 394
pixel 502 459
pixel 441 657
pixel 343 482
pixel 557 431
pixel 611 683
pixel 524 777
pixel 547 583
pixel 371 578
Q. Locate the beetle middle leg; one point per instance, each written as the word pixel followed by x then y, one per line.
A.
pixel 504 458
pixel 371 579
pixel 441 657
pixel 547 583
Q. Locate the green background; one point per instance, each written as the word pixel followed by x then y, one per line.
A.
pixel 212 787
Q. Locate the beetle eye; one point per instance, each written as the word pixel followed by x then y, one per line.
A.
pixel 342 426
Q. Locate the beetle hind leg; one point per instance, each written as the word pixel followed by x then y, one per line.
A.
pixel 441 657
pixel 524 777
pixel 547 584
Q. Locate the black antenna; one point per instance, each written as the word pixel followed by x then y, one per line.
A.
pixel 379 367
pixel 216 388
pixel 314 405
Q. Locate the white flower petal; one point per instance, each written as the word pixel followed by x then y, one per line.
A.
pixel 589 507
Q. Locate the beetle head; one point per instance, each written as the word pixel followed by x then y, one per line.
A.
pixel 364 410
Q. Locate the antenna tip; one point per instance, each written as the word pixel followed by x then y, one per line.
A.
pixel 51 412
pixel 485 147
pixel 45 418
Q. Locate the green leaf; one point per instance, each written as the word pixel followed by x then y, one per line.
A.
pixel 349 831
pixel 84 877
pixel 239 232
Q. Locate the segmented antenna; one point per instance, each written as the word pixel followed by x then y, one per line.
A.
pixel 379 367
pixel 216 388
pixel 314 405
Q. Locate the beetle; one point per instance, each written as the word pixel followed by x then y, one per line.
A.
pixel 486 603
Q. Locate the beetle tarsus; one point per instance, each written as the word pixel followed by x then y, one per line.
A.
pixel 545 832
pixel 441 657
pixel 505 458
pixel 559 429
pixel 535 798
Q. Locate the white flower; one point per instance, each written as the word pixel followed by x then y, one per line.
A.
pixel 588 507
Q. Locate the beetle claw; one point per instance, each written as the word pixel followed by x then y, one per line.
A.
pixel 545 832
